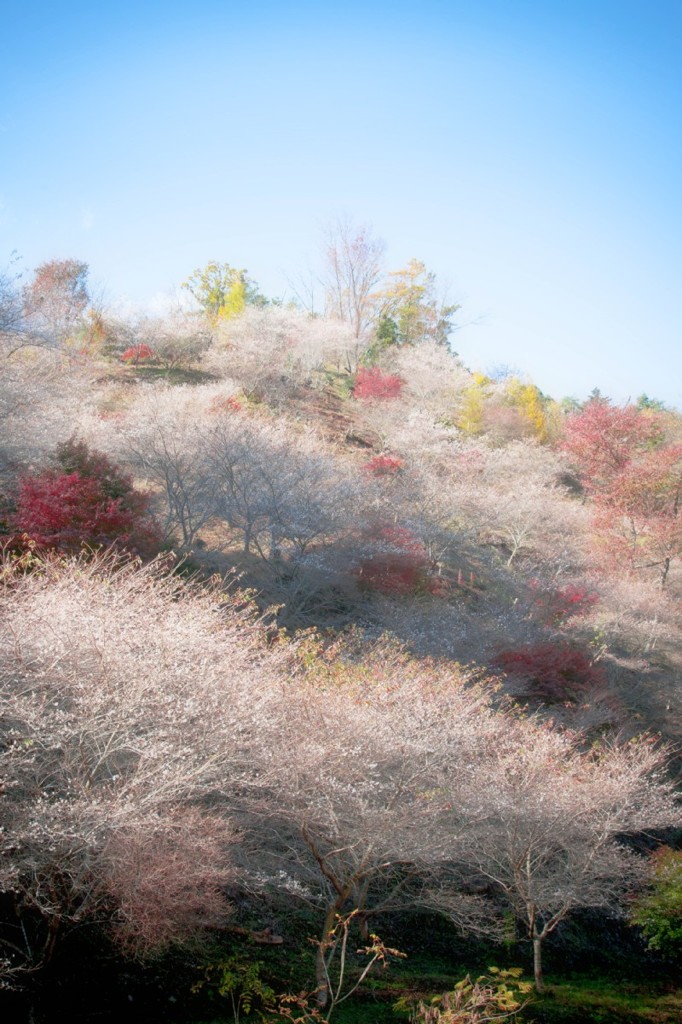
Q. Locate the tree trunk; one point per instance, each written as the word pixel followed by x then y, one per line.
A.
pixel 363 927
pixel 53 929
pixel 321 980
pixel 537 964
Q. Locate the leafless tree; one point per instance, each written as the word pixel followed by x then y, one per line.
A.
pixel 165 438
pixel 353 268
pixel 278 492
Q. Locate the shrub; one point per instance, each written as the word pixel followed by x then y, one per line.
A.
pixel 393 573
pixel 137 354
pixel 498 996
pixel 372 382
pixel 555 672
pixel 399 566
pixel 87 502
pixel 554 606
pixel 230 404
pixel 658 911
pixel 383 465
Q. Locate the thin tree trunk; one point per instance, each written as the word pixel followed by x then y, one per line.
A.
pixel 537 964
pixel 51 939
pixel 321 980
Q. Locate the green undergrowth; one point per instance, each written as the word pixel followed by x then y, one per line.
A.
pixel 339 383
pixel 577 999
pixel 580 999
pixel 172 375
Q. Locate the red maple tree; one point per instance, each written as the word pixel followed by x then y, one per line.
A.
pixel 634 478
pixel 602 439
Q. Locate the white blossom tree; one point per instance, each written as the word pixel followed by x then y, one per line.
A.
pixel 178 339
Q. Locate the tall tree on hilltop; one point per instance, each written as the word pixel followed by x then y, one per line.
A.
pixel 353 268
pixel 223 291
pixel 411 310
pixel 57 298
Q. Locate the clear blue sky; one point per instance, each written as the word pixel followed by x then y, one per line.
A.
pixel 529 151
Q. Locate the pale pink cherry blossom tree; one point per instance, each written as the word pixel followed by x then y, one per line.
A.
pixel 128 699
pixel 272 352
pixel 367 804
pixel 554 816
pixel 434 378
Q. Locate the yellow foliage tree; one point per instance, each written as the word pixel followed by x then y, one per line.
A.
pixel 531 403
pixel 410 304
pixel 223 291
pixel 470 418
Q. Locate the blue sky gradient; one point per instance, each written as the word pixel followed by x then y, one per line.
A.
pixel 529 152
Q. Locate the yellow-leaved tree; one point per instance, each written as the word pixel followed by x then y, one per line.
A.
pixel 223 291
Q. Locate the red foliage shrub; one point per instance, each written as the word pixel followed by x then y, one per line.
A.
pixel 553 606
pixel 401 537
pixel 554 671
pixel 400 566
pixel 137 354
pixel 392 573
pixel 372 382
pixel 383 465
pixel 230 404
pixel 75 457
pixel 87 502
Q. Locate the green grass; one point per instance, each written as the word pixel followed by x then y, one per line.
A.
pixel 339 382
pixel 579 999
pixel 576 1000
pixel 175 375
